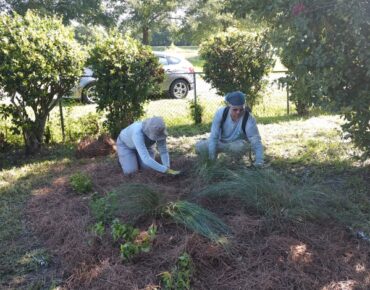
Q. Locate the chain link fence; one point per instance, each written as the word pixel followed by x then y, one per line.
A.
pixel 178 112
pixel 68 123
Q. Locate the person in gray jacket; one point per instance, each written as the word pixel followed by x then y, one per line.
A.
pixel 233 130
pixel 135 146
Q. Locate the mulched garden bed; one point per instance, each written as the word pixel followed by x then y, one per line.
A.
pixel 262 254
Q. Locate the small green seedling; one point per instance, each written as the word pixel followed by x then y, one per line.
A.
pixel 81 183
pixel 99 229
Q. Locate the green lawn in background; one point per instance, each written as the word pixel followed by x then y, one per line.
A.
pixel 188 52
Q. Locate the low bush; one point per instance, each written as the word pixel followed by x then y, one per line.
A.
pixel 128 76
pixel 236 60
pixel 196 111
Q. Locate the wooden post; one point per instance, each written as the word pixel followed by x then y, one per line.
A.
pixel 195 89
pixel 287 99
pixel 62 120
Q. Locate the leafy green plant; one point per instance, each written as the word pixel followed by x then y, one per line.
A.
pixel 87 125
pixel 135 241
pixel 81 182
pixel 129 250
pixel 118 230
pixel 98 229
pixel 179 277
pixel 40 63
pixel 128 75
pixel 196 111
pixel 236 60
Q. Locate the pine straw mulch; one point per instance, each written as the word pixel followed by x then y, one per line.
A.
pixel 263 254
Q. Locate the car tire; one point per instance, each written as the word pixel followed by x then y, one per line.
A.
pixel 179 89
pixel 88 95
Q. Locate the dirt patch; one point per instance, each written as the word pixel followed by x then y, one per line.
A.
pixel 90 147
pixel 262 254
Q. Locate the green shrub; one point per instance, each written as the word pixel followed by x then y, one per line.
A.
pixel 236 60
pixel 98 229
pixel 196 111
pixel 87 125
pixel 81 183
pixel 39 63
pixel 128 75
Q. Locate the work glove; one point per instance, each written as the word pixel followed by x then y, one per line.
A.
pixel 172 172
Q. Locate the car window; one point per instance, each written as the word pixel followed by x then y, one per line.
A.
pixel 162 60
pixel 173 60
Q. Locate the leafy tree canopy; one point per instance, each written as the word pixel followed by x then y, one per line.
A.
pixel 87 11
pixel 146 15
pixel 325 45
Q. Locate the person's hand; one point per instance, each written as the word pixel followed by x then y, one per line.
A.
pixel 173 172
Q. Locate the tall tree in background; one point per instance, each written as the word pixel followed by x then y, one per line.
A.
pixel 146 15
pixel 204 18
pixel 84 11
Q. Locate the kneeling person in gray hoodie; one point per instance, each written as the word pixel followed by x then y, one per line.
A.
pixel 135 146
pixel 234 130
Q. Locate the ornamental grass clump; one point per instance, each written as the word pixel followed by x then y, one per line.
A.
pixel 262 190
pixel 271 194
pixel 198 219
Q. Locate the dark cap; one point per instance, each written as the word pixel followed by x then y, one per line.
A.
pixel 235 98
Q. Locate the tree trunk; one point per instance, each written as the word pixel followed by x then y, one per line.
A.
pixel 145 35
pixel 302 108
pixel 33 136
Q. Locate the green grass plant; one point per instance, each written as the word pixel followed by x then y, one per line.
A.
pixel 199 220
pixel 132 201
pixel 275 196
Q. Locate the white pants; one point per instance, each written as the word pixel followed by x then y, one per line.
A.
pixel 129 158
pixel 237 147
